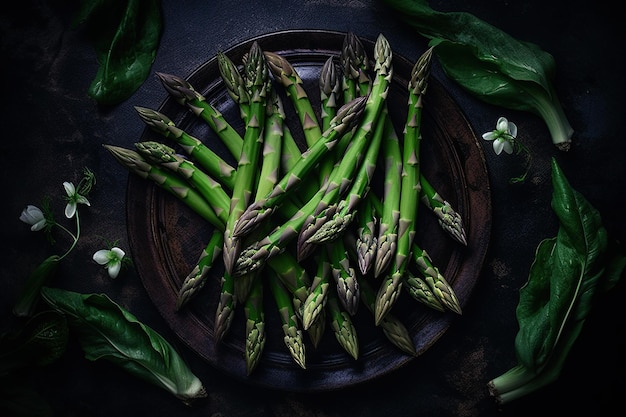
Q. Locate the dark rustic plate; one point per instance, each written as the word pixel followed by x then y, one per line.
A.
pixel 166 237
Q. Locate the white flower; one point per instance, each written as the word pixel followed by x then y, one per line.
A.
pixel 73 199
pixel 111 259
pixel 503 137
pixel 33 216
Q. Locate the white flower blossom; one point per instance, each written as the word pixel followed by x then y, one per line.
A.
pixel 73 199
pixel 503 137
pixel 34 216
pixel 111 259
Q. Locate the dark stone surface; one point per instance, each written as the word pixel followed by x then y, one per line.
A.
pixel 51 130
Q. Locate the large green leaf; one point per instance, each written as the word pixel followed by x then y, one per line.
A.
pixel 108 331
pixel 563 278
pixel 126 36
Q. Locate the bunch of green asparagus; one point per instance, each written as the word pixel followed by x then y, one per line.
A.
pixel 319 197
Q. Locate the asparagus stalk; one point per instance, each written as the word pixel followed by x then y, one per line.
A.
pixel 410 187
pixel 395 331
pixel 389 216
pixel 227 303
pixel 346 208
pixel 419 290
pixel 196 279
pixel 439 286
pixel 184 93
pixel 316 300
pixel 355 65
pixel 285 74
pixel 329 92
pixel 292 334
pixel 211 190
pixel 449 219
pixel 345 277
pixel 339 180
pixel 262 208
pixel 366 240
pixel 342 325
pixel 256 254
pixel 235 84
pixel 330 86
pixel 255 325
pixel 213 164
pixel 257 83
pixel 174 185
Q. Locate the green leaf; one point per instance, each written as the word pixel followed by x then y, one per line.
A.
pixel 29 295
pixel 494 66
pixel 40 341
pixel 563 279
pixel 126 36
pixel 108 331
pixel 566 277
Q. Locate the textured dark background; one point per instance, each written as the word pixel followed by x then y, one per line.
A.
pixel 51 130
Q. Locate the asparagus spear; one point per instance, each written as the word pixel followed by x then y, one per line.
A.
pixel 389 216
pixel 174 185
pixel 410 187
pixel 255 325
pixel 347 117
pixel 257 84
pixel 340 176
pixel 329 92
pixel 366 240
pixel 213 164
pixel 355 66
pixel 393 328
pixel 285 74
pixel 330 86
pixel 183 92
pixel 316 300
pixel 166 157
pixel 347 284
pixel 419 290
pixel 449 219
pixel 196 279
pixel 225 311
pixel 292 334
pixel 346 208
pixel 342 325
pixel 235 84
pixel 439 286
